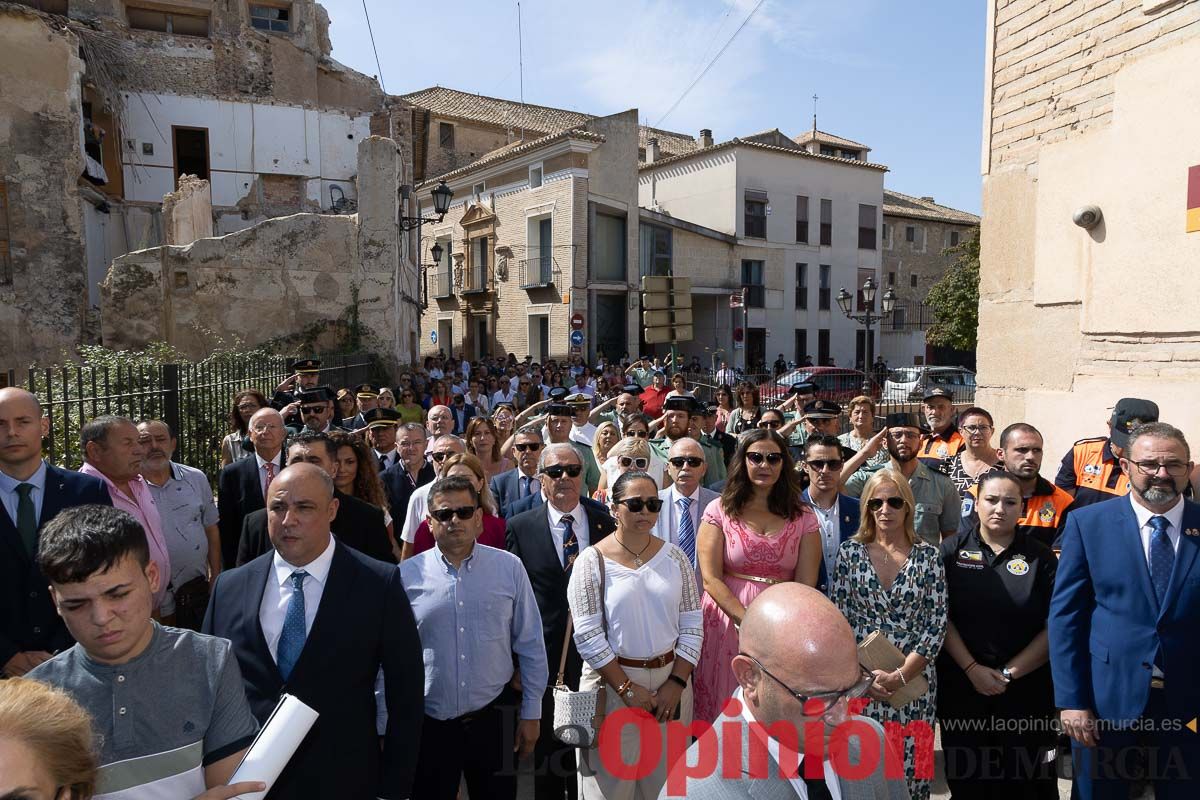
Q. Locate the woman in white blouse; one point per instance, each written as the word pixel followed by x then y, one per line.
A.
pixel 639 636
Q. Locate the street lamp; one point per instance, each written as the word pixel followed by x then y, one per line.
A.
pixel 441 204
pixel 888 302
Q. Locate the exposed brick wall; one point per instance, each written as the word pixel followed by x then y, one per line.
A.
pixel 1054 63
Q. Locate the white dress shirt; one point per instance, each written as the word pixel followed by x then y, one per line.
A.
pixel 670 510
pixel 558 531
pixel 1174 516
pixel 278 593
pixel 418 504
pixel 831 532
pixel 392 457
pixel 262 470
pixel 797 780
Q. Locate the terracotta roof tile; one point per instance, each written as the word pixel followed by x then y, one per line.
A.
pixel 494 111
pixel 515 149
pixel 829 138
pixel 896 204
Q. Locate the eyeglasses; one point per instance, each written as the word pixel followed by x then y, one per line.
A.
pixel 823 702
pixel 876 503
pixel 1173 468
pixel 446 514
pixel 638 434
pixel 530 447
pixel 976 428
pixel 636 504
pixel 691 461
pixel 248 407
pixel 755 457
pixel 822 464
pixel 440 457
pixel 312 409
pixel 638 462
pixel 770 423
pixel 556 471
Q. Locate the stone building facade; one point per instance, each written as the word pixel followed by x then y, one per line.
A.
pixel 1091 106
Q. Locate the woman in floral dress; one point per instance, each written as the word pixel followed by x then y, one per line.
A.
pixel 760 532
pixel 889 581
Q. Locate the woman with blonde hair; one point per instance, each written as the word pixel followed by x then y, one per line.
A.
pixel 483 442
pixel 861 413
pixel 624 456
pixel 887 580
pixel 46 747
pixel 467 466
pixel 607 434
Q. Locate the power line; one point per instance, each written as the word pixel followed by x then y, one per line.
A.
pixel 379 68
pixel 715 58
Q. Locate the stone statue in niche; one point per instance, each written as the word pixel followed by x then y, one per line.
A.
pixel 458 270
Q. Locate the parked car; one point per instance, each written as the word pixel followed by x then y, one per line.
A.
pixel 907 384
pixel 840 384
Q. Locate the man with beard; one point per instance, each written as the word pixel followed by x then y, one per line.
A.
pixel 1122 626
pixel 938 506
pixel 559 424
pixel 317 408
pixel 943 442
pixel 1044 512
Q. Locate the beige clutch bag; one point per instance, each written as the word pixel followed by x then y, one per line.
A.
pixel 876 652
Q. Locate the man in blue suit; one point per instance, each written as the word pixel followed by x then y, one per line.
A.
pixel 837 514
pixel 33 492
pixel 1123 622
pixel 685 499
pixel 522 480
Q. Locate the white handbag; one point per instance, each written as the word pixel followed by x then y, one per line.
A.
pixel 579 715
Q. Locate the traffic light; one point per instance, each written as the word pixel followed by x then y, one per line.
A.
pixel 666 309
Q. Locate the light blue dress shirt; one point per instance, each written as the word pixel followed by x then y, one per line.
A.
pixel 472 620
pixel 8 493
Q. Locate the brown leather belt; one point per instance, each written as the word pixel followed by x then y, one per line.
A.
pixel 755 578
pixel 647 663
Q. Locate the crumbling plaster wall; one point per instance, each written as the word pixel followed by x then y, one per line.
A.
pixel 187 212
pixel 42 309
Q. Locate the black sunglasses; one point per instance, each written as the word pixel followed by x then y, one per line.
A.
pixel 530 447
pixel 876 503
pixel 556 471
pixel 691 461
pixel 440 456
pixel 636 504
pixel 831 464
pixel 446 514
pixel 755 457
pixel 639 434
pixel 312 409
pixel 823 702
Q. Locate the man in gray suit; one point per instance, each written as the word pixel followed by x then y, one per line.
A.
pixel 795 643
pixel 685 499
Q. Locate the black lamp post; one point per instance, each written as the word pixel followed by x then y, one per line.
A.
pixel 441 204
pixel 845 302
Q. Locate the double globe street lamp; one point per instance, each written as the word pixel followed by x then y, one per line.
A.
pixel 845 302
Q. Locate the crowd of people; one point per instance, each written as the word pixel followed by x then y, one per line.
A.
pixel 432 567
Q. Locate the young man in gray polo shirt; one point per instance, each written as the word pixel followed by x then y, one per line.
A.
pixel 168 704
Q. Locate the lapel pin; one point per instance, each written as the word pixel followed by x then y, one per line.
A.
pixel 1192 532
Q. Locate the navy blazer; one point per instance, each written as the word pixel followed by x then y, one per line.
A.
pixel 1105 625
pixel 468 412
pixel 400 489
pixel 364 622
pixel 28 620
pixel 506 488
pixel 848 518
pixel 239 492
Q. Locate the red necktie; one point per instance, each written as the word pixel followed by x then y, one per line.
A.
pixel 270 465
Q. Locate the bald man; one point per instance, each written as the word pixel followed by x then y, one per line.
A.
pixel 793 642
pixel 685 499
pixel 33 492
pixel 242 485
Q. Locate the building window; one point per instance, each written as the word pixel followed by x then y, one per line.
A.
pixel 822 347
pixel 802 219
pixel 752 280
pixel 478 280
pixel 801 345
pixel 912 281
pixel 756 219
pixel 180 24
pixel 866 227
pixel 446 135
pixel 655 250
pixel 854 155
pixel 190 152
pixel 891 279
pixel 910 233
pixel 608 249
pixel 826 222
pixel 477 190
pixel 6 275
pixel 827 150
pixel 823 290
pixel 802 286
pixel 535 177
pixel 277 19
pixel 954 238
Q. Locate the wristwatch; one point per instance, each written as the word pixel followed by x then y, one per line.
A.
pixel 1007 673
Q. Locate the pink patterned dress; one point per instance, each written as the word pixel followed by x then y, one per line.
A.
pixel 748 553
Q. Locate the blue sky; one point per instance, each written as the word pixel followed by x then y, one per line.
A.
pixel 905 78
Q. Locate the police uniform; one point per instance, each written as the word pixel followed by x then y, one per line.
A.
pixel 315 394
pixel 714 456
pixel 998 603
pixel 364 391
pixel 1090 469
pixel 1043 513
pixel 281 400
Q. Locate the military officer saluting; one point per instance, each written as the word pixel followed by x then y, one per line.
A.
pixel 306 373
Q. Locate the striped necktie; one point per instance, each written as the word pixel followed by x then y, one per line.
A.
pixel 687 530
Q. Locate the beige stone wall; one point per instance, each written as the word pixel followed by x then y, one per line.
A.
pixel 187 212
pixel 1072 320
pixel 924 258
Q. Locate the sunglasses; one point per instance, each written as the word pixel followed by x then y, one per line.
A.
pixel 823 703
pixel 638 462
pixel 820 465
pixel 556 471
pixel 638 434
pixel 312 409
pixel 755 457
pixel 691 461
pixel 446 514
pixel 531 447
pixel 876 503
pixel 440 457
pixel 636 504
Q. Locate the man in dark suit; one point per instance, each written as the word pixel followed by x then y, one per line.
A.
pixel 318 620
pixel 358 524
pixel 1123 621
pixel 33 492
pixel 318 409
pixel 412 470
pixel 462 413
pixel 837 514
pixel 241 486
pixel 367 397
pixel 521 481
pixel 546 538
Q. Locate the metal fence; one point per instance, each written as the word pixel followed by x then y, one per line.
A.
pixel 194 399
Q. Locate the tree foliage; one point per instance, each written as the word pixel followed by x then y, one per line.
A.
pixel 954 300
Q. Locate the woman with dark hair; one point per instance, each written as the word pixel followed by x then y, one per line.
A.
pixel 745 416
pixel 979 456
pixel 347 406
pixel 724 398
pixel 47 750
pixel 408 407
pixel 484 443
pixel 439 395
pixel 358 477
pixel 760 532
pixel 245 403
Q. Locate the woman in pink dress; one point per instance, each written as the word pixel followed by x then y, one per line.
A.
pixel 760 532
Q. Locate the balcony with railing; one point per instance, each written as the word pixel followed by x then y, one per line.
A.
pixel 477 279
pixel 443 284
pixel 914 317
pixel 540 270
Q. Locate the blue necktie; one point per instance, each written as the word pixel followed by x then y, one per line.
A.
pixel 687 531
pixel 1162 557
pixel 291 639
pixel 525 486
pixel 570 543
